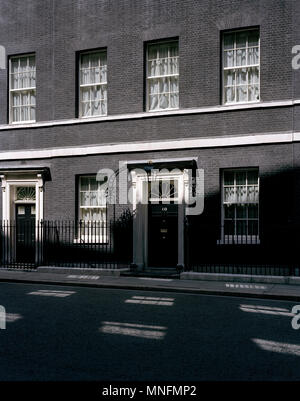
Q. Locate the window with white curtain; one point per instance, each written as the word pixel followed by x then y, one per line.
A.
pixel 241 72
pixel 92 209
pixel 162 74
pixel 22 88
pixel 240 204
pixel 93 84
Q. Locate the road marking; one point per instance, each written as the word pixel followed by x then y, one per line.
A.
pixel 81 277
pixel 247 286
pixel 52 293
pixel 155 279
pixel 134 330
pixel 278 347
pixel 266 310
pixel 150 301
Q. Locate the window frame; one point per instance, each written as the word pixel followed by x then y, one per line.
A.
pixel 241 239
pixel 223 68
pixel 11 90
pixel 79 86
pixel 147 78
pixel 89 238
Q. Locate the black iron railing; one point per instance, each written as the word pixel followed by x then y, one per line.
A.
pixel 272 251
pixel 83 244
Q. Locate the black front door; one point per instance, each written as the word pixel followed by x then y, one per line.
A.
pixel 163 235
pixel 25 233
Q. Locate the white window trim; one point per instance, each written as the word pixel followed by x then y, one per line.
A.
pixel 29 89
pixel 236 238
pixel 80 114
pixel 148 79
pixel 241 67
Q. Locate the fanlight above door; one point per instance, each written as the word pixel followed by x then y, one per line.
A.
pixel 25 194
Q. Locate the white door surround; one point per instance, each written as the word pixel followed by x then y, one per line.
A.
pixel 140 183
pixel 12 180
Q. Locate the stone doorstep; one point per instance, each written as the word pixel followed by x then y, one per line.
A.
pixel 80 270
pixel 244 278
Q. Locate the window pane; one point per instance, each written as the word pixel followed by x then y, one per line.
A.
pixel 84 184
pixel 163 85
pixel 253 211
pixel 152 52
pixel 241 178
pixel 229 78
pixel 253 92
pixel 174 84
pixel 242 93
pixel 229 95
pixel 253 55
pixel 229 58
pixel 32 113
pixel 153 102
pixel 229 227
pixel 153 86
pixel 252 177
pixel 241 57
pixel 229 41
pixel 241 212
pixel 229 212
pixel 253 227
pixel 228 177
pixel 241 227
pixel 241 39
pixel 163 50
pixel 163 101
pixel 174 100
pixel 253 38
pixel 93 184
pixel 241 76
pixel 253 74
pixel 230 194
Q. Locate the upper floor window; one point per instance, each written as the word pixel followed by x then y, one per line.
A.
pixel 162 74
pixel 240 201
pixel 241 59
pixel 93 84
pixel 22 88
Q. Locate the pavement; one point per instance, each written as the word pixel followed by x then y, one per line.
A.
pixel 97 280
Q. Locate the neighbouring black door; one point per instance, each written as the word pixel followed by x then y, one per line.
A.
pixel 25 233
pixel 163 235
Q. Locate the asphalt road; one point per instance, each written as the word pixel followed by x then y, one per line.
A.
pixel 73 333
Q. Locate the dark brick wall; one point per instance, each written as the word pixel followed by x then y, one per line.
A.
pixel 185 126
pixel 56 30
pixel 274 161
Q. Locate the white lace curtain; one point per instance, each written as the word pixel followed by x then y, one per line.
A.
pixel 163 76
pixel 241 66
pixel 22 88
pixel 93 84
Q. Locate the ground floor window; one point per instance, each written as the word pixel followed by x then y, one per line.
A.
pixel 240 205
pixel 92 209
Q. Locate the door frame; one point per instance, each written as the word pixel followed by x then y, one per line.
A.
pixel 10 180
pixel 140 181
pixel 25 203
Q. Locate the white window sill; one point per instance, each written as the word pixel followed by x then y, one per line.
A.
pixel 161 110
pixel 241 103
pixel 95 116
pixel 22 122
